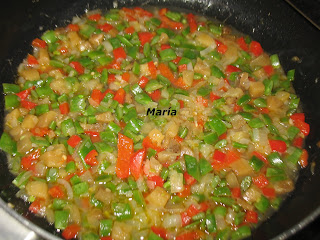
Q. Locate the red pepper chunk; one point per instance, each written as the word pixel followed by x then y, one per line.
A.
pixel 143 81
pixel 32 61
pixel 73 27
pixel 56 192
pixel 35 206
pixel 119 53
pixel 298 142
pixel 269 70
pixel 24 94
pixel 303 161
pixel 136 163
pixel 39 43
pixel 192 22
pixel 71 231
pixel 152 69
pixel 188 236
pixel 74 140
pixel 125 151
pixel 260 181
pixel 298 116
pixel 64 108
pixel 126 76
pixel 186 191
pixel 251 216
pixel 28 105
pixel 278 146
pixel 236 192
pixel 96 96
pixel 155 95
pixel 40 132
pixel 203 101
pixel 91 158
pixel 129 30
pixel 213 96
pixel 160 231
pixel 185 218
pixel 255 48
pixel 145 37
pixel 269 192
pixel 189 179
pixel 260 156
pixel 242 44
pixel 303 126
pixel 105 27
pixel 230 69
pixel 30 159
pixel 94 136
pixel 158 181
pixel 95 17
pixel 120 96
pixel 77 66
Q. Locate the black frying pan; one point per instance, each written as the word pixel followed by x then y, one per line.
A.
pixel 273 23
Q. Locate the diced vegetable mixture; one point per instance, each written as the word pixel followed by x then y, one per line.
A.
pixel 139 124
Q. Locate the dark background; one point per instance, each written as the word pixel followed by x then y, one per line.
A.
pixel 310 8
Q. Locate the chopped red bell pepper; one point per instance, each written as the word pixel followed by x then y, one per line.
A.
pixel 251 216
pixel 155 95
pixel 165 71
pixel 145 37
pixel 182 67
pixel 170 23
pixel 136 163
pixel 231 69
pixel 77 66
pixel 91 158
pixel 237 108
pixel 181 102
pixel 165 46
pixel 126 76
pixel 269 192
pixel 125 151
pixel 189 236
pixel 28 105
pixel 94 136
pixel 236 192
pixel 40 132
pixel 74 140
pixel 219 156
pixel 39 43
pixel 63 50
pixel 56 192
pixel 147 143
pixel 119 53
pixel 64 108
pixel 185 218
pixel 255 48
pixel 278 146
pixel 35 206
pixel 129 30
pixel 152 69
pixel 106 27
pixel 298 116
pixel 178 139
pixel 95 17
pixel 143 81
pixel 242 44
pixel 73 27
pixel 111 78
pixel 303 126
pixel 160 231
pixel 120 96
pixel 163 11
pixel 298 142
pixel 30 159
pixel 221 48
pixel 260 156
pixel 213 96
pixel 157 180
pixel 269 70
pixel 303 161
pixel 192 22
pixel 96 96
pixel 25 93
pixel 32 61
pixel 260 181
pixel 189 179
pixel 186 191
pixel 71 231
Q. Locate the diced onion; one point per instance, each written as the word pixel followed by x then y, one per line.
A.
pixel 172 221
pixel 67 187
